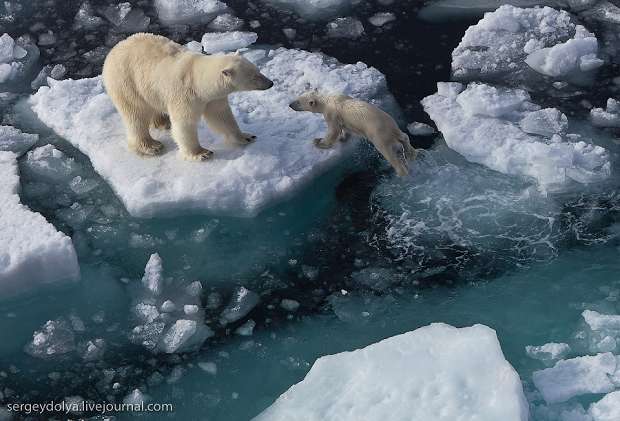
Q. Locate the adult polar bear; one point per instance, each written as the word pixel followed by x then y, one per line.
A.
pixel 150 78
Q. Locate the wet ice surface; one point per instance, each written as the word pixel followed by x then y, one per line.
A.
pixel 196 310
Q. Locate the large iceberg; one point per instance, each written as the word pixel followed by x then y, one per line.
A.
pixel 33 252
pixel 504 130
pixel 240 181
pixel 519 42
pixel 437 372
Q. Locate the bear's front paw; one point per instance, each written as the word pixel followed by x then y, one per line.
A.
pixel 320 143
pixel 149 147
pixel 201 155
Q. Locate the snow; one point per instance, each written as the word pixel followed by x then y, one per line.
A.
pixel 607 409
pixel 34 253
pixel 609 117
pixel 313 9
pixel 238 181
pixel 188 11
pixel 575 377
pixel 437 372
pixel 216 42
pixel 485 125
pixel 513 41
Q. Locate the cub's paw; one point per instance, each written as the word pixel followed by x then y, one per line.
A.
pixel 149 147
pixel 320 143
pixel 200 155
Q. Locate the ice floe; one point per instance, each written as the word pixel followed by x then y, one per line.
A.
pixel 437 372
pixel 576 376
pixel 313 9
pixel 216 42
pixel 493 126
pixel 17 58
pixel 188 11
pixel 607 409
pixel 169 319
pixel 33 252
pixel 549 352
pixel 514 41
pixel 609 117
pixel 237 181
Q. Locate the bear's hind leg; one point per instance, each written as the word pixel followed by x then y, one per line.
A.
pixel 137 119
pixel 410 151
pixel 161 121
pixel 395 154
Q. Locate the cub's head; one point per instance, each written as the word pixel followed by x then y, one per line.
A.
pixel 310 101
pixel 240 74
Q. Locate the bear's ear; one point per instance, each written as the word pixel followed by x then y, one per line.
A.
pixel 228 72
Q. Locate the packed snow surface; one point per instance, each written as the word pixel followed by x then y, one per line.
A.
pixel 237 180
pixel 504 130
pixel 514 41
pixel 33 252
pixel 437 372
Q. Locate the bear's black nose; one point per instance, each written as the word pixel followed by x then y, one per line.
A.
pixel 270 84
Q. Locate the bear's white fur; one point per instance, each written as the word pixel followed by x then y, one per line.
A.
pixel 155 81
pixel 345 115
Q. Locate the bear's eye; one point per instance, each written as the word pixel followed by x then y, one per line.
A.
pixel 311 103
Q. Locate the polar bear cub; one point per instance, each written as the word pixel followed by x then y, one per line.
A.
pixel 154 81
pixel 345 115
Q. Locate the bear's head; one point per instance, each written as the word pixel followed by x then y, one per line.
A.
pixel 310 101
pixel 239 74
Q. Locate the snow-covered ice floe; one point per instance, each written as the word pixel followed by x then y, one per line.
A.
pixel 241 181
pixel 188 11
pixel 515 41
pixel 32 251
pixel 437 372
pixel 504 130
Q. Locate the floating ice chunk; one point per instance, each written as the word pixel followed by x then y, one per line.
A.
pixel 482 124
pixel 147 313
pixel 50 163
pixel 511 40
pixel 437 372
pixel 225 23
pixel 216 42
pixel 185 335
pixel 194 289
pixel 246 329
pixel 55 72
pixel 575 55
pixel 447 10
pixel 241 303
pixel 239 181
pixel 549 352
pixel 34 253
pixel 314 9
pixel 420 129
pixel 209 367
pixel 607 409
pixel 575 377
pixel 188 11
pixel 168 306
pixel 345 28
pixel 604 11
pixel 153 274
pixel 125 18
pixel 55 338
pixel 380 19
pixel 85 18
pixel 598 321
pixel 14 140
pixel 289 305
pixel 7 45
pixel 546 122
pixel 92 350
pixel 135 398
pixel 609 117
pixel 17 58
pixel 190 309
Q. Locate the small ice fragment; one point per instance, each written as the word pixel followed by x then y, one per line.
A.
pixel 246 329
pixel 380 19
pixel 153 275
pixel 420 129
pixel 215 42
pixel 345 28
pixel 289 305
pixel 241 303
pixel 209 367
